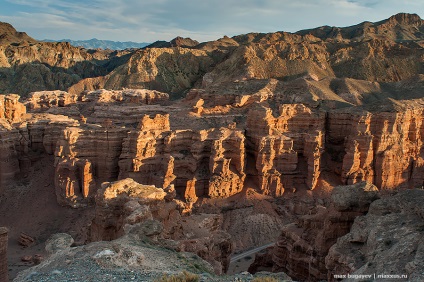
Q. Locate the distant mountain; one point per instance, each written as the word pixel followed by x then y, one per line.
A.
pixel 103 44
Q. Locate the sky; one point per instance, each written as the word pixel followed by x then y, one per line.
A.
pixel 202 20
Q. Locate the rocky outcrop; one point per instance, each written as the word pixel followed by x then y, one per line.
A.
pixel 380 147
pixel 126 96
pixel 11 109
pixel 121 202
pixel 127 207
pixel 126 258
pixel 302 247
pixel 84 156
pixel 11 112
pixel 176 42
pixel 205 163
pixel 74 182
pixel 281 144
pixel 48 99
pixel 386 241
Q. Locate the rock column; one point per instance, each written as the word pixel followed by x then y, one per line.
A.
pixel 3 255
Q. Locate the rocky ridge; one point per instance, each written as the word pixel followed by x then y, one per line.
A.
pixel 385 51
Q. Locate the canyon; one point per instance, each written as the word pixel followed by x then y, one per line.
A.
pixel 306 139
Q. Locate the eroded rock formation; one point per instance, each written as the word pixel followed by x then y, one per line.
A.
pixel 281 134
pixel 302 246
pixel 11 112
pixel 386 241
pixel 127 207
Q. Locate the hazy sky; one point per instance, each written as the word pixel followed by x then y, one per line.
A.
pixel 151 20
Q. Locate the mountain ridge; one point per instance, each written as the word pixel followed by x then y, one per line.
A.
pixel 386 51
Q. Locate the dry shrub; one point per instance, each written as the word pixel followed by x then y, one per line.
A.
pixel 185 276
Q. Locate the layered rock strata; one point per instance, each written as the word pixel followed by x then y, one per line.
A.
pixel 281 149
pixel 11 112
pixel 386 241
pixel 302 246
pixel 287 147
pixel 380 147
pixel 11 109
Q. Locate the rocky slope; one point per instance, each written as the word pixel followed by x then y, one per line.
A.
pixel 29 65
pixel 372 248
pixel 126 259
pixel 390 50
pixel 9 35
pixel 302 247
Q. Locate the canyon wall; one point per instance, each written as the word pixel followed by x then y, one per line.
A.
pixel 370 247
pixel 4 269
pixel 301 249
pixel 277 150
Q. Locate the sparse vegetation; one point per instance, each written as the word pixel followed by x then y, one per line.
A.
pixel 265 279
pixel 184 276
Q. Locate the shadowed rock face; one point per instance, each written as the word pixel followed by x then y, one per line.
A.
pixel 301 249
pixel 3 255
pixel 388 240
